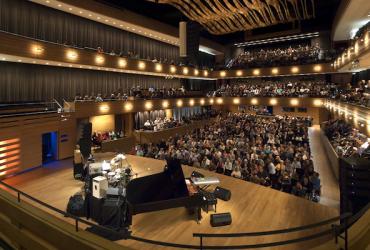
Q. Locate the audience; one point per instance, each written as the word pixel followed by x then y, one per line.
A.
pixel 98 137
pixel 269 88
pixel 272 151
pixel 346 140
pixel 269 57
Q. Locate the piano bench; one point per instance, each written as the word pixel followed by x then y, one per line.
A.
pixel 210 200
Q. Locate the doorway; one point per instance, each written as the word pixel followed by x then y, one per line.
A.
pixel 49 147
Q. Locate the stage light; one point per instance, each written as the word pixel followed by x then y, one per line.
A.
pixel 317 102
pixel 37 49
pixel 294 102
pixel 273 101
pixel 122 63
pixel 179 103
pixel 99 59
pixel 254 101
pixel 275 71
pixel 185 71
pixel 205 73
pixel 202 102
pixel 158 67
pixel 191 102
pixel 141 65
pixel 236 101
pixel 165 104
pixel 196 72
pixel 71 55
pixel 128 106
pixel 148 105
pixel 104 108
pixel 219 100
pixel 256 72
pixel 239 73
pixel 173 69
pixel 295 70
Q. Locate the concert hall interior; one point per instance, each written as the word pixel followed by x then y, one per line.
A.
pixel 194 124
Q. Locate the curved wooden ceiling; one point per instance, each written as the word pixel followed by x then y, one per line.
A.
pixel 227 16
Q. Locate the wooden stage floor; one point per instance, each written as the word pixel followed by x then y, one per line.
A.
pixel 253 207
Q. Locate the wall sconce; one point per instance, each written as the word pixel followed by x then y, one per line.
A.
pixel 99 59
pixel 179 103
pixel 256 72
pixel 254 101
pixel 219 100
pixel 239 73
pixel 275 71
pixel 128 106
pixel 141 65
pixel 202 102
pixel 317 68
pixel 223 73
pixel 148 105
pixel 185 71
pixel 295 70
pixel 37 50
pixel 104 108
pixel 205 73
pixel 72 55
pixel 191 102
pixel 173 69
pixel 196 72
pixel 273 102
pixel 158 67
pixel 236 101
pixel 122 63
pixel 318 102
pixel 165 104
pixel 294 102
pixel 211 101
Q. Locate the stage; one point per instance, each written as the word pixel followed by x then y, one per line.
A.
pixel 253 207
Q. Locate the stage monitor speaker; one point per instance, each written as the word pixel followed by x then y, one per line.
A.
pixel 222 219
pixel 222 193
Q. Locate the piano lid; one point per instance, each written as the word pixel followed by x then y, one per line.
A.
pixel 169 184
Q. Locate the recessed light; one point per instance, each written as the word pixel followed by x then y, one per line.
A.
pixel 33 61
pixel 47 1
pixel 80 12
pixel 19 60
pixel 98 17
pixel 106 20
pixel 120 25
pixel 59 64
pixel 114 22
pixel 59 5
pixel 70 8
pixel 47 63
pixel 3 58
pixel 90 15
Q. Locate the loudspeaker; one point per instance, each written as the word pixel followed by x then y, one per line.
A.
pixel 218 220
pixel 222 193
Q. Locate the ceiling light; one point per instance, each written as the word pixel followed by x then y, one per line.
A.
pixel 70 8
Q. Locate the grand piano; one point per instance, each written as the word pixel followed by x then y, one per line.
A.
pixel 161 191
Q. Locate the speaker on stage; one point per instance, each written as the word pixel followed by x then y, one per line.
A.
pixel 222 219
pixel 222 193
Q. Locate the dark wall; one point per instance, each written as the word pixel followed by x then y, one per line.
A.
pixel 27 82
pixel 40 22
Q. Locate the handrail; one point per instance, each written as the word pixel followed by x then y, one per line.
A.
pixel 335 230
pixel 279 231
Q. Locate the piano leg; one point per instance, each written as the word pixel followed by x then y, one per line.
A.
pixel 198 214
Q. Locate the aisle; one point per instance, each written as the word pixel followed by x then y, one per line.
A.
pixel 330 186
